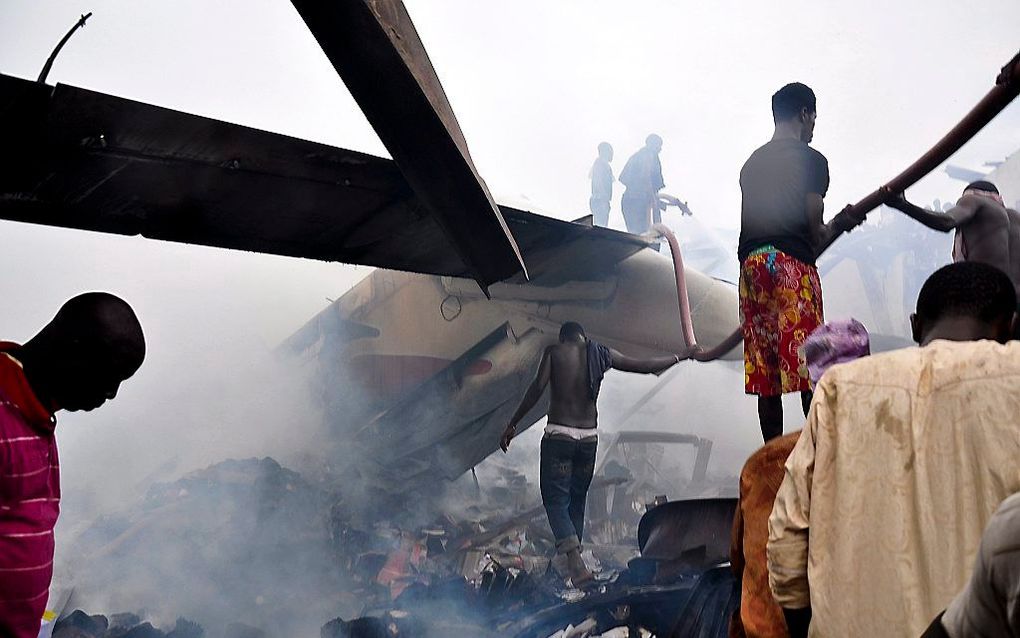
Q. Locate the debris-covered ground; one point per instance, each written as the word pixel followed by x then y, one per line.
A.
pixel 267 551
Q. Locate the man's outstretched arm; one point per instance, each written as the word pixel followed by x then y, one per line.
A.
pixel 963 212
pixel 531 397
pixel 649 365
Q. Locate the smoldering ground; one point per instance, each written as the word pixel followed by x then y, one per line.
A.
pixel 148 526
pixel 219 530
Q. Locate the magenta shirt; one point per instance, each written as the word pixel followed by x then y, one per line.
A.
pixel 29 502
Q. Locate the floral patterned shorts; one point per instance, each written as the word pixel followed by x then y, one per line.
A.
pixel 780 305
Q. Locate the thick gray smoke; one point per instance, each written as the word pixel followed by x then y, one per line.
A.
pixel 149 527
pixel 243 541
pixel 171 506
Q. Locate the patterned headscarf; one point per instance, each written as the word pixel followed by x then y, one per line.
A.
pixel 832 343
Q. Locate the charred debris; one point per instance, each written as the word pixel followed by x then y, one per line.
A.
pixel 477 559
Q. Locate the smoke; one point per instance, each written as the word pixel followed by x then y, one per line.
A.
pixel 241 543
pixel 146 528
pixel 250 540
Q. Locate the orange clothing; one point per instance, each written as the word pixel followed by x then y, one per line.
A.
pixel 760 616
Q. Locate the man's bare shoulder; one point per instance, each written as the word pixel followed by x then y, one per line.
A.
pixel 983 206
pixel 560 348
pixel 564 352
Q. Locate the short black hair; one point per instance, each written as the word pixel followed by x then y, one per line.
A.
pixel 967 289
pixel 570 329
pixel 789 100
pixel 982 185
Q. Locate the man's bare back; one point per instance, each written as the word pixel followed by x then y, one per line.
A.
pixel 983 233
pixel 564 366
pixel 570 400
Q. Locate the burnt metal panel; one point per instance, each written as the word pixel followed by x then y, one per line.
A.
pixel 695 529
pixel 85 160
pixel 375 48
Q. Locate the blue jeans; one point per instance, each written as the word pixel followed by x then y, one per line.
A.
pixel 566 470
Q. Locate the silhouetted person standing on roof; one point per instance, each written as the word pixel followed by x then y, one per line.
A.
pixel 781 232
pixel 76 362
pixel 574 369
pixel 642 175
pixel 986 231
pixel 601 185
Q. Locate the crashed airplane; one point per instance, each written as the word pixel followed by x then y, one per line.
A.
pixel 441 359
pixel 446 335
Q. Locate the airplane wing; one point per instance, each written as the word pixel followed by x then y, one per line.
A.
pixel 558 251
pixel 86 160
pixel 366 40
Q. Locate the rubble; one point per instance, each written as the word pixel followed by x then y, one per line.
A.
pixel 475 558
pixel 255 548
pixel 80 625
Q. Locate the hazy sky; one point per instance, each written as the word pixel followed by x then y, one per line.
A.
pixel 535 84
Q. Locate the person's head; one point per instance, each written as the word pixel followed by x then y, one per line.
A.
pixel 965 301
pixel 571 331
pixel 794 106
pixel 653 142
pixel 986 189
pixel 832 343
pixel 606 151
pixel 80 358
pixel 982 185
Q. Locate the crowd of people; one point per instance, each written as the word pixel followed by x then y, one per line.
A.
pixel 869 520
pixel 893 512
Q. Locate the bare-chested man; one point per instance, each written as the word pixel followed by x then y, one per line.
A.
pixel 574 368
pixel 986 231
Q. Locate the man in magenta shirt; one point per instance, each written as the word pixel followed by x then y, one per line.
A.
pixel 76 362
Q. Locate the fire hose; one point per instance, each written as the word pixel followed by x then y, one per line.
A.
pixel 683 299
pixel 1006 89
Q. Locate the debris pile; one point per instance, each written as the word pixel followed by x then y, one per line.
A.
pixel 81 625
pixel 242 540
pixel 283 551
